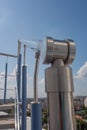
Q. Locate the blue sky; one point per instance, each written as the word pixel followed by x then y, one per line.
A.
pixel 35 19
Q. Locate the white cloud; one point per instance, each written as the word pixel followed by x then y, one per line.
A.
pixel 14 71
pixel 1 77
pixel 30 78
pixel 12 75
pixel 41 88
pixel 11 83
pixel 42 81
pixel 82 73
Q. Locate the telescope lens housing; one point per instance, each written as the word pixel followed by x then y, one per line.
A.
pixel 58 49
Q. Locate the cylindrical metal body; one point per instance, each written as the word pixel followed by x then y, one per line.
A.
pixel 57 49
pixel 36 115
pixel 24 86
pixel 5 85
pixel 59 88
pixel 67 111
pixel 66 97
pixel 52 89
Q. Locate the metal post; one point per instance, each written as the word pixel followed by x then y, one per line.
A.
pixel 16 109
pixel 24 86
pixel 59 88
pixel 19 71
pixel 36 113
pixel 5 85
pixel 24 54
pixel 36 77
pixel 19 80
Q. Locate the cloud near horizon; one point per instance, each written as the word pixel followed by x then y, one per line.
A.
pixel 82 72
pixel 11 83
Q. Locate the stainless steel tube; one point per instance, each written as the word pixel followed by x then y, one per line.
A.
pixel 52 89
pixel 66 90
pixel 67 111
pixel 36 76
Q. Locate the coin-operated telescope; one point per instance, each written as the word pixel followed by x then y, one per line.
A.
pixel 59 82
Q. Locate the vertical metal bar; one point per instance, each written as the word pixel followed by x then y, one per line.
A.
pixel 5 85
pixel 19 77
pixel 36 76
pixel 18 112
pixel 24 86
pixel 15 109
pixel 24 54
pixel 19 70
pixel 19 81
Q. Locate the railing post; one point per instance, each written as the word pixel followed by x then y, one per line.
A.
pixel 24 86
pixel 5 84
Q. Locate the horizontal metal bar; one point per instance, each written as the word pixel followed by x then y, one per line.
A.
pixel 7 89
pixel 10 105
pixel 2 75
pixel 8 55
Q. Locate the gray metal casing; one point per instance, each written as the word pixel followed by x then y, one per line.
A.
pixel 59 79
pixel 59 88
pixel 58 49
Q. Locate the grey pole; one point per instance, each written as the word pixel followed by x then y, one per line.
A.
pixel 36 76
pixel 19 71
pixel 19 81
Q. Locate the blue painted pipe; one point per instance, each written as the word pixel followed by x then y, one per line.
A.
pixel 36 116
pixel 24 86
pixel 5 85
pixel 19 77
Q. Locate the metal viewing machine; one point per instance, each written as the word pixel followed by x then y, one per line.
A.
pixel 59 82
